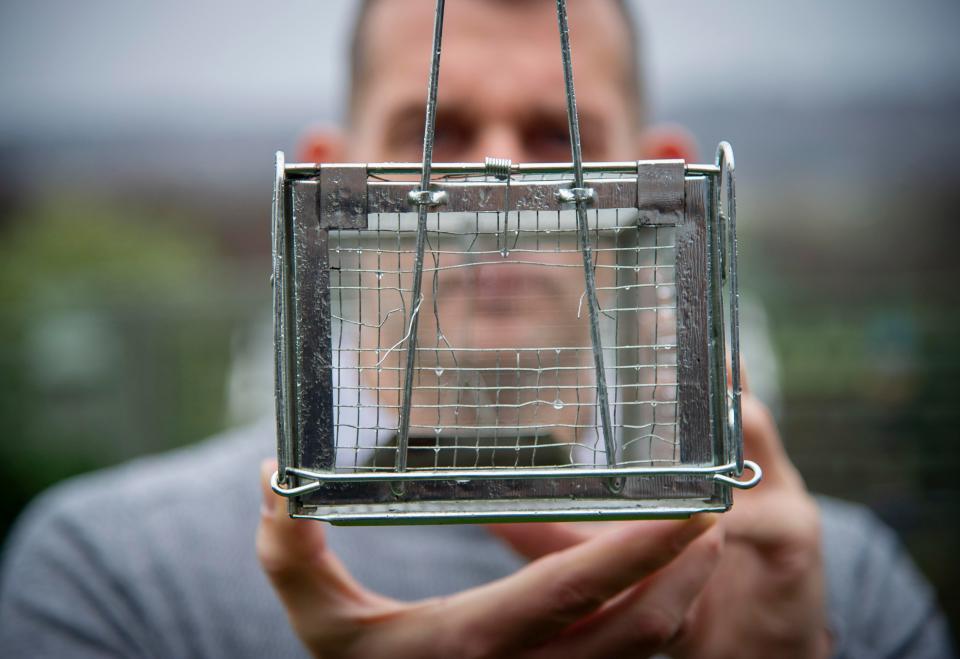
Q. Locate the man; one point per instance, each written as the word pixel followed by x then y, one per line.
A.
pixel 156 558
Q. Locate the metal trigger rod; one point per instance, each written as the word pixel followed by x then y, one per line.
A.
pixel 582 197
pixel 424 201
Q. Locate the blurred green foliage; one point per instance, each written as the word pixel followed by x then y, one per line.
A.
pixel 115 328
pixel 864 306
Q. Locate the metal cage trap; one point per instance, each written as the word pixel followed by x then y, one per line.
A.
pixel 499 341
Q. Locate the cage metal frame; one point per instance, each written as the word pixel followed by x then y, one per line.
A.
pixel 311 200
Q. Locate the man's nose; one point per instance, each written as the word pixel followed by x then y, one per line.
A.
pixel 498 141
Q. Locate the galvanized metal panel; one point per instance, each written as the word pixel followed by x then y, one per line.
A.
pixel 314 384
pixel 693 360
pixel 661 191
pixel 343 199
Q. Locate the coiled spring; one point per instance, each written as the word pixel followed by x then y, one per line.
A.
pixel 498 167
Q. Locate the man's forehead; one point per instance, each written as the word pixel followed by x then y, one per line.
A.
pixel 494 37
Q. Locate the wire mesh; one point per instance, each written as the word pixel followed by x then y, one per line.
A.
pixel 503 368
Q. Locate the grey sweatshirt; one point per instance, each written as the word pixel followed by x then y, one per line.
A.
pixel 156 559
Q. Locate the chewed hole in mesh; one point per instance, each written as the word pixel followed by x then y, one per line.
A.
pixel 504 375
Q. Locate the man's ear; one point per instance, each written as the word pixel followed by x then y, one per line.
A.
pixel 668 142
pixel 321 144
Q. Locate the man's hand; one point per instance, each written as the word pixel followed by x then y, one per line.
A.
pixel 626 591
pixel 766 597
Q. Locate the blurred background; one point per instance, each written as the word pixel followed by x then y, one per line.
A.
pixel 136 155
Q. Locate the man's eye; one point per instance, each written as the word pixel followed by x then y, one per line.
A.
pixel 548 142
pixel 407 137
pixel 451 140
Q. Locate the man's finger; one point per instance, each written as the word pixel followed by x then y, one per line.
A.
pixel 779 512
pixel 761 443
pixel 293 553
pixel 648 616
pixel 539 601
pixel 535 539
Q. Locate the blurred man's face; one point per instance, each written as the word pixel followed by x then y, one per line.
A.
pixel 501 94
pixel 501 88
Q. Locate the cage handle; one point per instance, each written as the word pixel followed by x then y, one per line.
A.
pixel 280 280
pixel 727 182
pixel 424 201
pixel 582 197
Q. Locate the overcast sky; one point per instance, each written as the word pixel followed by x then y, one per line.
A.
pixel 220 64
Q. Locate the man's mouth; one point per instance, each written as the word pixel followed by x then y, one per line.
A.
pixel 502 287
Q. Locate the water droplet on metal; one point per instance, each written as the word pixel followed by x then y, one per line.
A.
pixel 379 276
pixel 558 404
pixel 438 370
pixel 437 430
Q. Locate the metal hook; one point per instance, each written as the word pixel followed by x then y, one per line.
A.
pixel 743 485
pixel 288 492
pixel 501 168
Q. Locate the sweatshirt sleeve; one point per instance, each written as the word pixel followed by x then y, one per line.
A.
pixel 879 603
pixel 62 587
